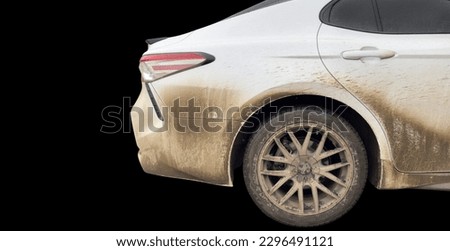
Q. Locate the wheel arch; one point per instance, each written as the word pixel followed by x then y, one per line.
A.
pixel 369 129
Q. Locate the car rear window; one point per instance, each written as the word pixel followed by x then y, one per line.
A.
pixel 261 5
pixel 351 14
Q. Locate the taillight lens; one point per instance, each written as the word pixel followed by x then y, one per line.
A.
pixel 156 66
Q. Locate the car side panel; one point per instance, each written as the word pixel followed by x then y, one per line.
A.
pixel 409 93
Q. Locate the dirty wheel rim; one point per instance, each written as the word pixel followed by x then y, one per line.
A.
pixel 305 169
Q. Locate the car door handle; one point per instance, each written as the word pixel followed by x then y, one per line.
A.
pixel 368 52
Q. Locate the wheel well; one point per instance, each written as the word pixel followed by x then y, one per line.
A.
pixel 266 112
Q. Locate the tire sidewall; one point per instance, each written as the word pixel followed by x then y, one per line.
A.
pixel 303 116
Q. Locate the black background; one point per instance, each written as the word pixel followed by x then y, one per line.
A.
pixel 88 180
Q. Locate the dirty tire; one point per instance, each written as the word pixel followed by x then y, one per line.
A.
pixel 305 167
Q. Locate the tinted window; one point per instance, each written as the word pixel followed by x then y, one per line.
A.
pixel 414 16
pixel 389 16
pixel 350 14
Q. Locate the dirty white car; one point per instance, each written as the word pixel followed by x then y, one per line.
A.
pixel 313 98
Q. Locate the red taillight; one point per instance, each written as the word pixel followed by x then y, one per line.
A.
pixel 156 66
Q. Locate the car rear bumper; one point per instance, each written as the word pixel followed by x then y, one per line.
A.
pixel 169 147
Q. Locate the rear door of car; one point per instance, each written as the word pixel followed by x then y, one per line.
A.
pixel 394 56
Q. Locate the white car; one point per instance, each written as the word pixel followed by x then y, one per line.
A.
pixel 313 98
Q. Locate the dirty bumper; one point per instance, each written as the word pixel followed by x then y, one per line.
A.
pixel 169 144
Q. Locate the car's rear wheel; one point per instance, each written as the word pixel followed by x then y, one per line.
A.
pixel 305 167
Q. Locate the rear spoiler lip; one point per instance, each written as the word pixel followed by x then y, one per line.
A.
pixel 154 40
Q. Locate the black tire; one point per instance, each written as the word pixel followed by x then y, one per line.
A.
pixel 303 186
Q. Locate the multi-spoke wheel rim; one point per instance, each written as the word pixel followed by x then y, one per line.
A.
pixel 305 169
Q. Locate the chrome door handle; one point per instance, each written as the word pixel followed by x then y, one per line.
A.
pixel 368 52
